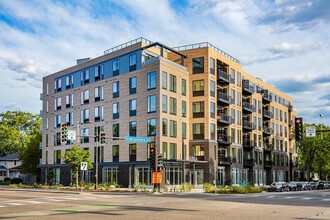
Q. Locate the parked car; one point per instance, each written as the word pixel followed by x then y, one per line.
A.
pixel 326 185
pixel 292 186
pixel 320 185
pixel 279 187
pixel 305 185
pixel 314 185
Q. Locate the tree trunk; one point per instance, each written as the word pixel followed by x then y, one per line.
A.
pixel 77 179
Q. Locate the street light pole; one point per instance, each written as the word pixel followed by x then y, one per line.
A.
pixel 97 161
pixel 321 117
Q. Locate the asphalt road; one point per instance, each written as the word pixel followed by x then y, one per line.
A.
pixel 26 204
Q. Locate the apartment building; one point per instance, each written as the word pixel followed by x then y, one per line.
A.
pixel 205 116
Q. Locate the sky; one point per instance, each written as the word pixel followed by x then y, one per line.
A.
pixel 283 42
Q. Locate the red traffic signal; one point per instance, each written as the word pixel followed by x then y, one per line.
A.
pixel 102 138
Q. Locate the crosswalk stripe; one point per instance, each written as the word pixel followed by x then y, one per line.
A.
pixel 34 202
pixel 306 198
pixel 1 206
pixel 326 200
pixel 14 203
pixel 55 200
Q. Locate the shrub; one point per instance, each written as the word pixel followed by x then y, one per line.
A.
pixel 7 180
pixel 16 181
pixel 209 188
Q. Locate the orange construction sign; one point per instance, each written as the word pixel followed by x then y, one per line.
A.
pixel 157 177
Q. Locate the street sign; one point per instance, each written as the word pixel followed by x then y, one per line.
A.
pixel 71 135
pixel 157 177
pixel 137 139
pixel 310 131
pixel 83 166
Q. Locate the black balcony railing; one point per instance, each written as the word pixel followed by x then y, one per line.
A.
pixel 223 97
pixel 224 118
pixel 249 107
pixel 223 160
pixel 248 88
pixel 248 125
pixel 268 163
pixel 268 146
pixel 249 143
pixel 249 162
pixel 267 114
pixel 223 76
pixel 267 97
pixel 224 138
pixel 268 131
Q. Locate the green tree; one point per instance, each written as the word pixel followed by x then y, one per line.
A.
pixel 17 128
pixel 30 155
pixel 314 152
pixel 73 159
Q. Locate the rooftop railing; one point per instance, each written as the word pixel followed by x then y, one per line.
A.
pixel 205 44
pixel 127 44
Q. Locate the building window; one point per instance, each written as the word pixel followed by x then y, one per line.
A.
pixel 69 101
pixel 239 79
pixel 198 65
pixel 198 109
pixel 212 88
pixel 84 97
pixel 152 125
pixel 172 106
pixel 132 62
pixel 232 76
pixel 184 109
pixel 84 116
pixel 164 150
pixel 212 131
pixel 57 139
pixel 115 110
pixel 132 85
pixel 212 66
pixel 164 127
pixel 69 118
pixel 47 88
pixel 198 131
pixel 132 152
pixel 132 128
pixel 132 107
pixel 84 135
pixel 69 82
pixel 57 156
pixel 151 103
pixel 115 153
pixel 57 103
pixel 98 114
pixel 164 80
pixel 164 103
pixel 173 128
pixel 47 123
pixel 172 83
pixel 115 89
pixel 184 130
pixel 212 109
pixel 98 93
pixel 57 121
pixel 199 151
pixel 115 68
pixel 184 87
pixel 84 77
pixel 172 151
pixel 115 130
pixel 58 85
pixel 151 80
pixel 198 88
pixel 98 73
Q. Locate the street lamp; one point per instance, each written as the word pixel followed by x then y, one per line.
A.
pixel 321 117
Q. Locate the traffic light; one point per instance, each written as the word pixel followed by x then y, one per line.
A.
pixel 152 158
pixel 64 133
pixel 299 129
pixel 102 141
pixel 160 160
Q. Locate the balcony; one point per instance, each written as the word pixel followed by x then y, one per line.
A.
pixel 268 131
pixel 248 144
pixel 268 147
pixel 247 88
pixel 248 107
pixel 249 162
pixel 248 125
pixel 223 77
pixel 223 97
pixel 224 139
pixel 290 108
pixel 224 118
pixel 41 96
pixel 266 97
pixel 267 114
pixel 223 160
pixel 268 163
pixel 291 123
pixel 41 113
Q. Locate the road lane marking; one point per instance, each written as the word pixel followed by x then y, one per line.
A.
pixel 290 197
pixel 14 203
pixel 307 198
pixel 326 200
pixel 34 202
pixel 55 200
pixel 1 206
